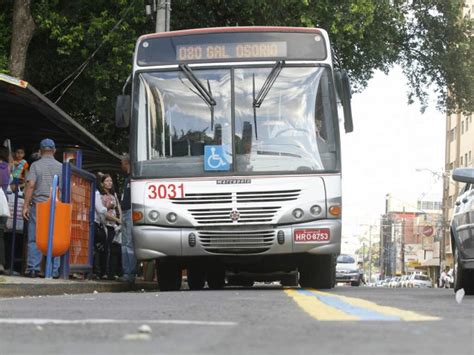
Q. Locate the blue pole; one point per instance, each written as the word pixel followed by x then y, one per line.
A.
pixel 49 255
pixel 79 159
pixel 66 198
pixel 15 209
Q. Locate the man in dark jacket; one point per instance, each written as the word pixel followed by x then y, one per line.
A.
pixel 129 262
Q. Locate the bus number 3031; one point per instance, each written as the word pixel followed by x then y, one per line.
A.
pixel 165 191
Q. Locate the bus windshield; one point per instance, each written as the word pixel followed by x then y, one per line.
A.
pixel 293 129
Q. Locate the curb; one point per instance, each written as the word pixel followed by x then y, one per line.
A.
pixel 53 289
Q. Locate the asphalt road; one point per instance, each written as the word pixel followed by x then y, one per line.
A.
pixel 260 320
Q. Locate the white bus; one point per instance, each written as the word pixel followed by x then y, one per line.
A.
pixel 235 152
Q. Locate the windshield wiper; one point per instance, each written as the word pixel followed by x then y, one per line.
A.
pixel 262 93
pixel 267 85
pixel 204 93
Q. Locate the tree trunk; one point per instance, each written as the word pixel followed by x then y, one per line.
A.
pixel 22 32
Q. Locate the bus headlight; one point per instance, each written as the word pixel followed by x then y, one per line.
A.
pixel 172 217
pixel 298 213
pixel 153 215
pixel 315 210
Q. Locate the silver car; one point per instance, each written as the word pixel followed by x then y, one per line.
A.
pixel 419 281
pixel 462 232
pixel 347 270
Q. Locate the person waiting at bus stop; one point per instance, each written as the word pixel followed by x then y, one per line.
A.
pixel 38 188
pixel 4 180
pixel 129 262
pixel 112 223
pixel 19 169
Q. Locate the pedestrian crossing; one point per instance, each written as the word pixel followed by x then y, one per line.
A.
pixel 325 306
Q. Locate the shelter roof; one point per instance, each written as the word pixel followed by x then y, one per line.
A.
pixel 27 116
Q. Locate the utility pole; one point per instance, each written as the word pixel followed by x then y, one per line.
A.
pixel 370 254
pixel 402 246
pixel 161 10
pixel 393 252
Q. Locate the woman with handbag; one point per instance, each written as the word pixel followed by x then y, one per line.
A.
pixel 4 208
pixel 112 222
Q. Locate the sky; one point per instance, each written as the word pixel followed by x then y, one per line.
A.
pixel 391 140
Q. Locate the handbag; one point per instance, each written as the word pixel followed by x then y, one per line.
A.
pixel 4 207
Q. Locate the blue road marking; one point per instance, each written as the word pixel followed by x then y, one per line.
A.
pixel 362 313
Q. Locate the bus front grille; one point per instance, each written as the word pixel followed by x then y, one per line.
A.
pixel 268 196
pixel 240 197
pixel 236 241
pixel 204 198
pixel 210 216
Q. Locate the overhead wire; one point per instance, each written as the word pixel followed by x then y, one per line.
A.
pixel 80 69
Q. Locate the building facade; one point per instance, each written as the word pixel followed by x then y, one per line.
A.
pixel 459 153
pixel 410 238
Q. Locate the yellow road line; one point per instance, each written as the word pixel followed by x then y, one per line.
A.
pixel 389 311
pixel 317 309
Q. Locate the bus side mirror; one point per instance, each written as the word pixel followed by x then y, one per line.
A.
pixel 122 111
pixel 343 88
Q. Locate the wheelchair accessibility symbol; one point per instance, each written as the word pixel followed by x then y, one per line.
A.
pixel 214 159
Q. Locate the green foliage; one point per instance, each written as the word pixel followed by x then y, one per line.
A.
pixel 365 33
pixel 68 33
pixel 5 35
pixel 427 37
pixel 438 52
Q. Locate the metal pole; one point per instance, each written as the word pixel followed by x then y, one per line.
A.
pixel 66 198
pixel 49 254
pixel 15 211
pixel 402 246
pixel 168 14
pixel 393 251
pixel 370 254
pixel 163 10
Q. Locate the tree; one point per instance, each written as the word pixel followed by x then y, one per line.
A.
pixel 438 52
pixel 80 53
pixel 89 51
pixel 430 39
pixel 22 31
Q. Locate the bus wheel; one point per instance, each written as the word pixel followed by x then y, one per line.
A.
pixel 289 280
pixel 169 276
pixel 318 271
pixel 237 280
pixel 216 279
pixel 196 278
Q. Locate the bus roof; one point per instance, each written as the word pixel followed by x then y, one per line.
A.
pixel 230 29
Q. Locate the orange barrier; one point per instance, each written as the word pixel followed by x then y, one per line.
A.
pixel 81 242
pixel 62 227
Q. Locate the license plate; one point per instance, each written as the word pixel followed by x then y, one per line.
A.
pixel 311 235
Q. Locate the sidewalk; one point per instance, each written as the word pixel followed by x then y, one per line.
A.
pixel 17 286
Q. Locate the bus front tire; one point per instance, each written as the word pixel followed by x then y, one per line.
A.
pixel 196 278
pixel 318 271
pixel 463 278
pixel 169 276
pixel 216 279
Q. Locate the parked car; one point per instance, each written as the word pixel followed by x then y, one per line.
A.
pixel 404 280
pixel 394 282
pixel 462 232
pixel 419 281
pixel 347 270
pixel 386 282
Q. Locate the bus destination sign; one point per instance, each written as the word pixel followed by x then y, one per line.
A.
pixel 243 50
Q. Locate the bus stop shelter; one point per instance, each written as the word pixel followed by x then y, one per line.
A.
pixel 27 117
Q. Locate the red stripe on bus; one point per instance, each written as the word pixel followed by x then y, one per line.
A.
pixel 230 29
